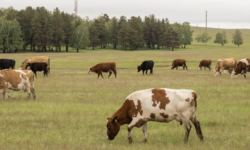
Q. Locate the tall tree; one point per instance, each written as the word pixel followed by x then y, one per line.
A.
pixel 221 38
pixel 124 35
pixel 187 34
pixel 135 33
pixel 80 35
pixel 114 32
pixel 24 19
pixel 41 27
pixel 67 28
pixel 10 34
pixel 58 35
pixel 93 36
pixel 237 38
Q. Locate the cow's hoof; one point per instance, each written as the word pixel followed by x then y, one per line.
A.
pixel 145 140
pixel 130 140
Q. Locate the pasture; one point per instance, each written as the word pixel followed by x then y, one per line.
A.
pixel 71 107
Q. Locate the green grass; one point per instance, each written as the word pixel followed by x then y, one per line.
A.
pixel 71 107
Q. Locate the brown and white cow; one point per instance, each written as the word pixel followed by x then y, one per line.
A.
pixel 104 67
pixel 157 104
pixel 242 67
pixel 45 59
pixel 206 63
pixel 17 80
pixel 179 62
pixel 224 64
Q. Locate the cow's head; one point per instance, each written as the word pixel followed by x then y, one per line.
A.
pixel 90 70
pixel 234 74
pixel 27 65
pixel 215 72
pixel 113 127
pixel 139 68
pixel 199 68
pixel 172 67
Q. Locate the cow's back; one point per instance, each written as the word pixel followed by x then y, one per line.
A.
pixel 35 59
pixel 162 104
pixel 179 62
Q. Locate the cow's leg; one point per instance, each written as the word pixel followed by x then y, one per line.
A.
pixel 177 68
pixel 32 89
pixel 151 71
pixel 28 92
pixel 35 73
pixel 8 93
pixel 101 74
pixel 3 93
pixel 186 67
pixel 109 73
pixel 196 123
pixel 114 72
pixel 146 71
pixel 187 128
pixel 144 130
pixel 129 134
pixel 143 71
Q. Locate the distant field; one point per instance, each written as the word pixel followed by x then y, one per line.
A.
pixel 71 107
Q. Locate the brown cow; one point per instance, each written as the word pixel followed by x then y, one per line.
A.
pixel 206 63
pixel 224 64
pixel 159 105
pixel 104 67
pixel 179 62
pixel 242 67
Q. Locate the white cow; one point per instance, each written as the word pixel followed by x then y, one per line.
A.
pixel 161 105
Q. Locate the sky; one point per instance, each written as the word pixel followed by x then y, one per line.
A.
pixel 229 14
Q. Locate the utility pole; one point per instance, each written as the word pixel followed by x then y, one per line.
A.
pixel 206 29
pixel 76 1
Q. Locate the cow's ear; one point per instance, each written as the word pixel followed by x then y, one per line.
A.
pixel 115 119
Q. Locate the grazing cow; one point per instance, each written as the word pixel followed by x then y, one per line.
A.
pixel 146 65
pixel 179 62
pixel 206 63
pixel 224 64
pixel 41 66
pixel 104 67
pixel 161 105
pixel 242 67
pixel 7 64
pixel 17 80
pixel 36 59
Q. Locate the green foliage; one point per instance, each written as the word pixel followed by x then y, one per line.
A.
pixel 80 36
pixel 221 38
pixel 41 28
pixel 58 35
pixel 10 35
pixel 186 34
pixel 203 38
pixel 237 38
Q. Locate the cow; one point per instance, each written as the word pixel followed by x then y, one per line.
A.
pixel 45 59
pixel 17 80
pixel 146 65
pixel 179 62
pixel 156 104
pixel 103 67
pixel 224 64
pixel 206 63
pixel 38 66
pixel 242 67
pixel 7 64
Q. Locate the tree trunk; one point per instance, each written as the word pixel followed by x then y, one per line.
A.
pixel 115 46
pixel 184 46
pixel 77 50
pixel 67 47
pixel 93 48
pixel 172 48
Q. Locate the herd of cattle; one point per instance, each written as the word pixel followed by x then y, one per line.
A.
pixel 161 105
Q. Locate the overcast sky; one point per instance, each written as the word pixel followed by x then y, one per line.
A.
pixel 221 13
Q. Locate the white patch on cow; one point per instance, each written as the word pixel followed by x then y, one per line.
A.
pixel 225 71
pixel 215 72
pixel 233 75
pixel 199 68
pixel 89 71
pixel 245 61
pixel 1 75
pixel 176 109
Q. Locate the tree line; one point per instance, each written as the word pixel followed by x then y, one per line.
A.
pixel 41 30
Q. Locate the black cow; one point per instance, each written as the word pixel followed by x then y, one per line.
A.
pixel 146 65
pixel 38 66
pixel 7 63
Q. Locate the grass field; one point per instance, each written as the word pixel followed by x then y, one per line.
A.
pixel 71 107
